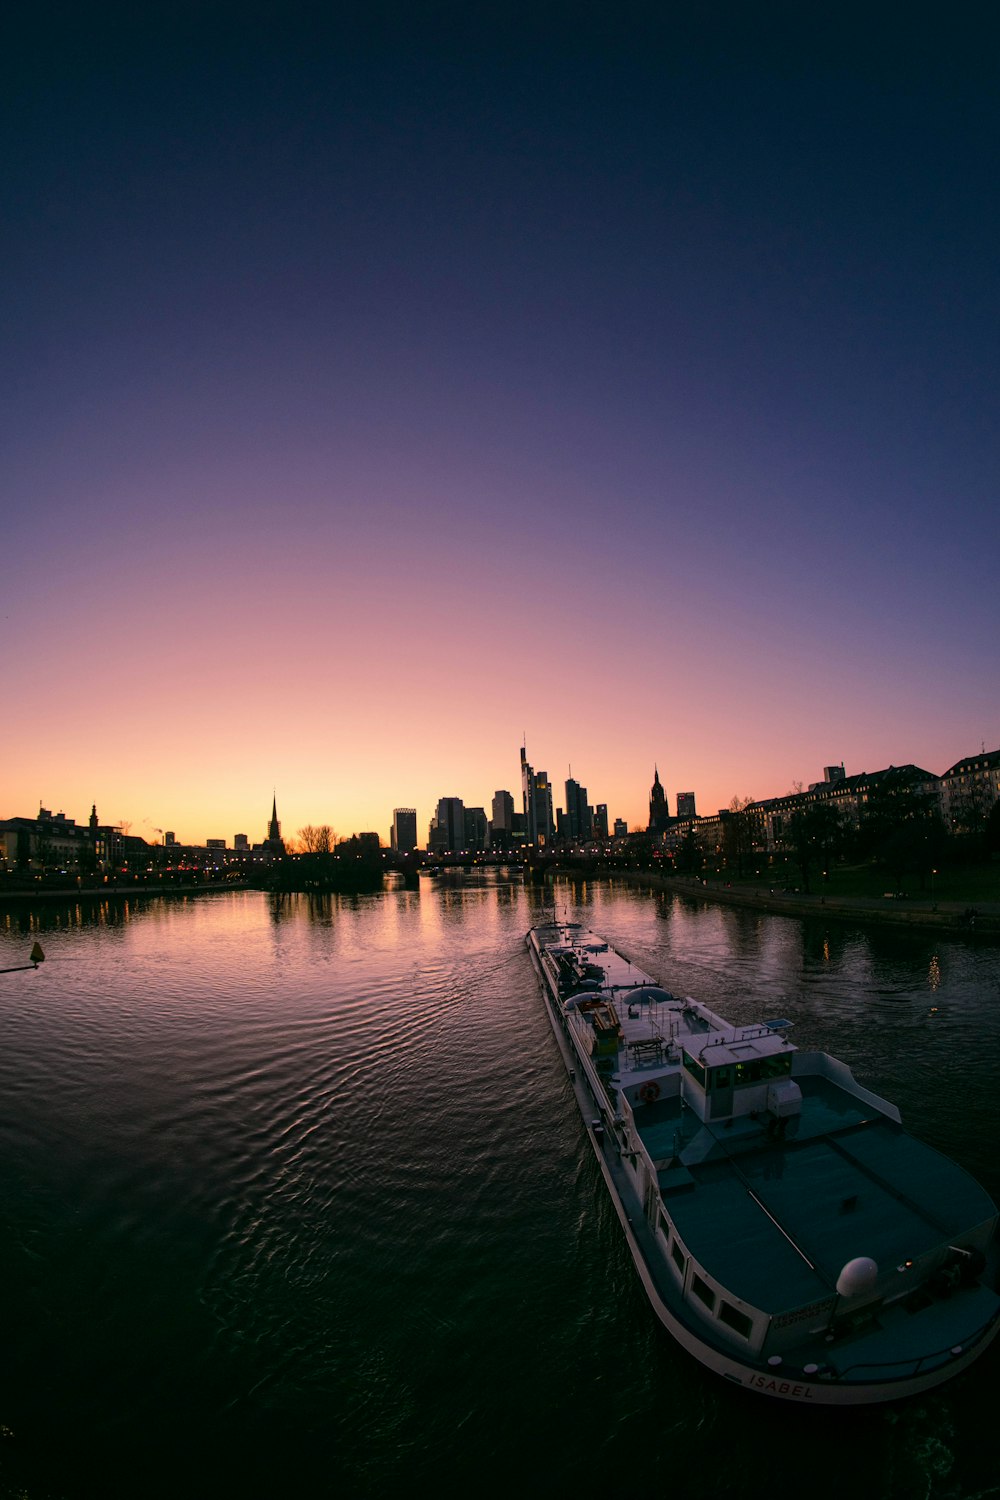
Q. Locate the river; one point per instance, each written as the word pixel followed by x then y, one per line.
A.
pixel 296 1201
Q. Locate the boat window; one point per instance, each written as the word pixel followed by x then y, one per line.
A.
pixel 720 1078
pixel 694 1067
pixel 703 1291
pixel 778 1065
pixel 734 1319
pixel 748 1072
pixel 678 1254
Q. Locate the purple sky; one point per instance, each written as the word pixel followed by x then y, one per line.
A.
pixel 380 392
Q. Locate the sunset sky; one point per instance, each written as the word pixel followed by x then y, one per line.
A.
pixel 378 392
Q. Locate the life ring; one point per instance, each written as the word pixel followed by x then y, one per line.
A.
pixel 649 1092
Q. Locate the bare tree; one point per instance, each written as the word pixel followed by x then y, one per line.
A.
pixel 319 840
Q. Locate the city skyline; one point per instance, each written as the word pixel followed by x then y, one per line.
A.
pixel 661 801
pixel 384 394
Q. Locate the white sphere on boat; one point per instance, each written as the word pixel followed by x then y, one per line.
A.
pixel 857 1277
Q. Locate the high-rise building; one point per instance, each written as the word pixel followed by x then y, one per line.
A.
pixel 537 792
pixel 579 815
pixel 241 844
pixel 503 812
pixel 621 828
pixel 659 813
pixel 601 821
pixel 475 830
pixel 545 829
pixel 528 795
pixel 685 805
pixel 447 830
pixel 403 837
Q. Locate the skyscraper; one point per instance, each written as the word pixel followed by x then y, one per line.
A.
pixel 404 830
pixel 475 830
pixel 579 816
pixel 447 831
pixel 502 822
pixel 528 795
pixel 537 792
pixel 544 817
pixel 503 810
pixel 685 805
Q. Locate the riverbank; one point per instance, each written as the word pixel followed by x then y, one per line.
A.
pixel 957 918
pixel 123 891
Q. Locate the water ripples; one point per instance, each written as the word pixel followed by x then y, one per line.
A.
pixel 292 1182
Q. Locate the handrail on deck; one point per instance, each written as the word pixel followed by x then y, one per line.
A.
pixel 913 1367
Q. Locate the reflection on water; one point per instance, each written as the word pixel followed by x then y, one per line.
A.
pixel 297 1201
pixel 49 916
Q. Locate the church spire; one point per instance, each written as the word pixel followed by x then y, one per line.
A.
pixel 658 810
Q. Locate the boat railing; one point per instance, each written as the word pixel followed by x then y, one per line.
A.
pixel 739 1034
pixel 907 1368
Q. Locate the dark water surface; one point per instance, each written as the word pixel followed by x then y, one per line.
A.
pixel 296 1200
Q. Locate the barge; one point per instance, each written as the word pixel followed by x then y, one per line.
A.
pixel 789 1233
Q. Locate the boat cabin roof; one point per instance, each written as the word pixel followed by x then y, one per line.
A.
pixel 741 1045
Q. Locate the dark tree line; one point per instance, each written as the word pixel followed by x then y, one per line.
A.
pixel 324 865
pixel 900 829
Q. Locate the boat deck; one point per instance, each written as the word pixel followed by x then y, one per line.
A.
pixel 778 1219
pixel 826 1108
